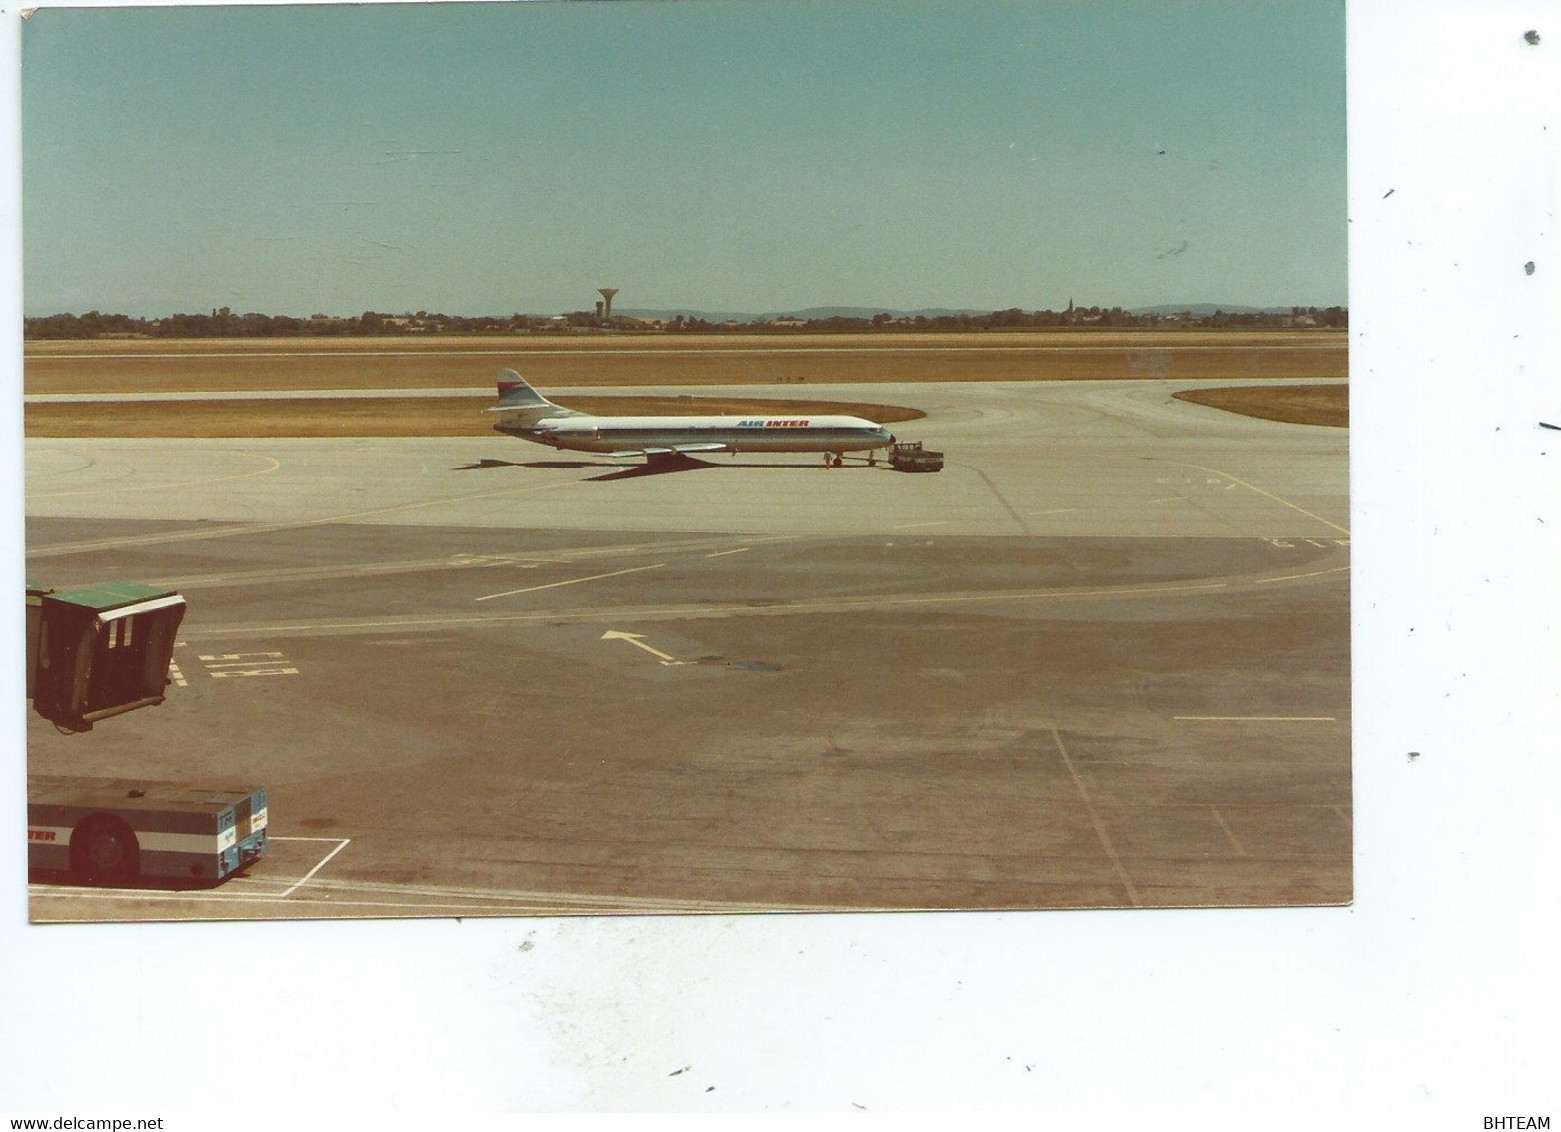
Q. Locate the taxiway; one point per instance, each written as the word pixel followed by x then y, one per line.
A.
pixel 1100 660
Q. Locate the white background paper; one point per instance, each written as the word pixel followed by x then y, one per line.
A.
pixel 1437 993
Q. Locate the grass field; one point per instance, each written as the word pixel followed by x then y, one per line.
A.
pixel 1292 404
pixel 115 367
pixel 118 366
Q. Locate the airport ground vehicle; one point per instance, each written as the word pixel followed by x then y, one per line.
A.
pixel 912 457
pixel 116 830
pixel 97 651
pixel 92 653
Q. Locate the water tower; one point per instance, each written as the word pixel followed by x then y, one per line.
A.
pixel 607 293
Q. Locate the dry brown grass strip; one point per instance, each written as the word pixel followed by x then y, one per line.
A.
pixel 1292 404
pixel 313 364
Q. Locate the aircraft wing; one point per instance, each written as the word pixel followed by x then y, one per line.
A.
pixel 669 450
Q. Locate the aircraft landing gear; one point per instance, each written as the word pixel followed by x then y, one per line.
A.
pixel 832 460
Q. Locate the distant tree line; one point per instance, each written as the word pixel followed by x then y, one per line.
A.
pixel 1015 318
pixel 223 323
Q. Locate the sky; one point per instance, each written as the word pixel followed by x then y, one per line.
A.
pixel 714 154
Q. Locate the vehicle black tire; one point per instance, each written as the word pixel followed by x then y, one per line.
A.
pixel 103 849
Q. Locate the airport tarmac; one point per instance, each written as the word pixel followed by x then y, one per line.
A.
pixel 1102 659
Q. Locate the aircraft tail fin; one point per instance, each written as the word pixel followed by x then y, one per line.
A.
pixel 523 405
pixel 516 393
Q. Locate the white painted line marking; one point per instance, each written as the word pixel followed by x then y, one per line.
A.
pixel 1240 849
pixel 722 553
pixel 1310 574
pixel 472 900
pixel 1270 495
pixel 571 582
pixel 637 639
pixel 910 526
pixel 1100 827
pixel 784 609
pixel 345 841
pixel 542 905
pixel 1059 511
pixel 1169 499
pixel 466 560
pixel 1257 718
pixel 275 464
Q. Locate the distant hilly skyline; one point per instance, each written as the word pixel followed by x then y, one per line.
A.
pixel 670 313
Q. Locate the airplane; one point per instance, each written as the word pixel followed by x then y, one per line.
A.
pixel 527 414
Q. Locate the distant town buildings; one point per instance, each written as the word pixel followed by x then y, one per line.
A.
pixel 224 323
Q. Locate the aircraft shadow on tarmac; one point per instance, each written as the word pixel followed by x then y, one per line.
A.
pixel 689 464
pixel 480 464
pixel 679 465
pixel 653 468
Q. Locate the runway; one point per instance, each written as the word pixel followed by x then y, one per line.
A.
pixel 1100 660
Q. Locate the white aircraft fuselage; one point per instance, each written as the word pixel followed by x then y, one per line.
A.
pixel 526 414
pixel 729 434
